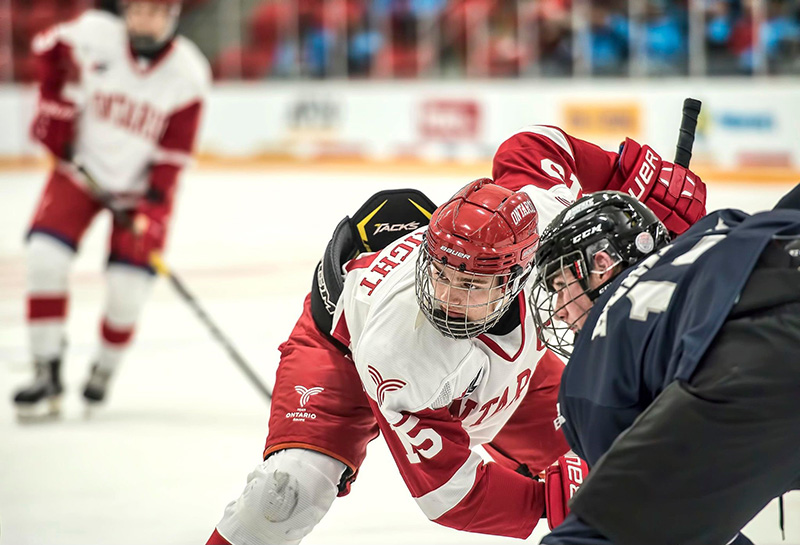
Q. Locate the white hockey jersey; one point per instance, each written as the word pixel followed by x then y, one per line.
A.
pixel 132 113
pixel 436 398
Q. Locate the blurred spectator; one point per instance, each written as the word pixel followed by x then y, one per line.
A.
pixel 261 48
pixel 317 44
pixel 720 16
pixel 665 32
pixel 363 46
pixel 778 36
pixel 404 55
pixel 553 29
pixel 608 40
pixel 504 53
pixel 494 50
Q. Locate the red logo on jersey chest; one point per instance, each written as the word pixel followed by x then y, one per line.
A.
pixel 137 117
pixel 384 386
pixel 497 403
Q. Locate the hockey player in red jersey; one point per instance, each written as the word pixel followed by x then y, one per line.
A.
pixel 431 341
pixel 123 98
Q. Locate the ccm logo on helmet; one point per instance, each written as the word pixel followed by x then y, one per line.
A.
pixel 589 232
pixel 522 211
pixel 454 252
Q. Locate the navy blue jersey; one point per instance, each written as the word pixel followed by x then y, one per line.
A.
pixel 655 322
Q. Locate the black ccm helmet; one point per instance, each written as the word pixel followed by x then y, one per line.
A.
pixel 606 221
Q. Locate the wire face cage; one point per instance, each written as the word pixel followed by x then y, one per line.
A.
pixel 463 304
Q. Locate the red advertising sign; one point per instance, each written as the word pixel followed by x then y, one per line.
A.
pixel 446 119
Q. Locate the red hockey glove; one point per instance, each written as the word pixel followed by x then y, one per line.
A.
pixel 561 481
pixel 54 126
pixel 145 234
pixel 676 195
pixel 147 231
pixel 150 224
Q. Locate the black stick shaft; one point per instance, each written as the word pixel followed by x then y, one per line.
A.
pixel 106 199
pixel 691 111
pixel 217 333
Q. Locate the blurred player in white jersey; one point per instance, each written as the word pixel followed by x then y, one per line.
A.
pixel 122 98
pixel 431 341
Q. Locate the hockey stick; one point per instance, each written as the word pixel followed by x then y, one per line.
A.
pixel 691 111
pixel 126 220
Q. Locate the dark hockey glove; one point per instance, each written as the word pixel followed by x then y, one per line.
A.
pixel 561 481
pixel 676 195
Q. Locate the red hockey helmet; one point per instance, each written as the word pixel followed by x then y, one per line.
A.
pixel 478 252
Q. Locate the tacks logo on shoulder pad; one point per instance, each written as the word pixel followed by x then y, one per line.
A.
pixel 393 227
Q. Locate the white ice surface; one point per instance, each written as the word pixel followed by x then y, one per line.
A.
pixel 183 426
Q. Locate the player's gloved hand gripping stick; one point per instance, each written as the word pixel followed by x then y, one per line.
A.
pixel 674 193
pixel 130 220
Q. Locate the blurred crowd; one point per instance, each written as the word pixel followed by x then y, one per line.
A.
pixel 511 38
pixel 261 39
pixel 21 20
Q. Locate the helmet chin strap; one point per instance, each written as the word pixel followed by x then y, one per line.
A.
pixel 593 294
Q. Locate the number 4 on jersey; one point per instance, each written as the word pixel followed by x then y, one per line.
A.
pixel 651 296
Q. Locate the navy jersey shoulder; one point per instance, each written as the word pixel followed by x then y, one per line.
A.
pixel 655 322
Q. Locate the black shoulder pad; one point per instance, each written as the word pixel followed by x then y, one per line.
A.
pixel 326 287
pixel 388 215
pixel 385 217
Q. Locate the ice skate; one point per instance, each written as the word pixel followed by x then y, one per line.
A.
pixel 96 388
pixel 41 400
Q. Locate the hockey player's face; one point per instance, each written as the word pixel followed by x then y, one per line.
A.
pixel 148 20
pixel 572 303
pixel 465 296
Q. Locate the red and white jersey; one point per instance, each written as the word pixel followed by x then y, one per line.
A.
pixel 133 113
pixel 436 398
pixel 378 314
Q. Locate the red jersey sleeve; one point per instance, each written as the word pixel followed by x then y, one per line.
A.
pixel 55 119
pixel 175 150
pixel 545 156
pixel 55 64
pixel 452 484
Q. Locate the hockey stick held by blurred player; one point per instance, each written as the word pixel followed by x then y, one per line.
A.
pixel 125 97
pixel 143 227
